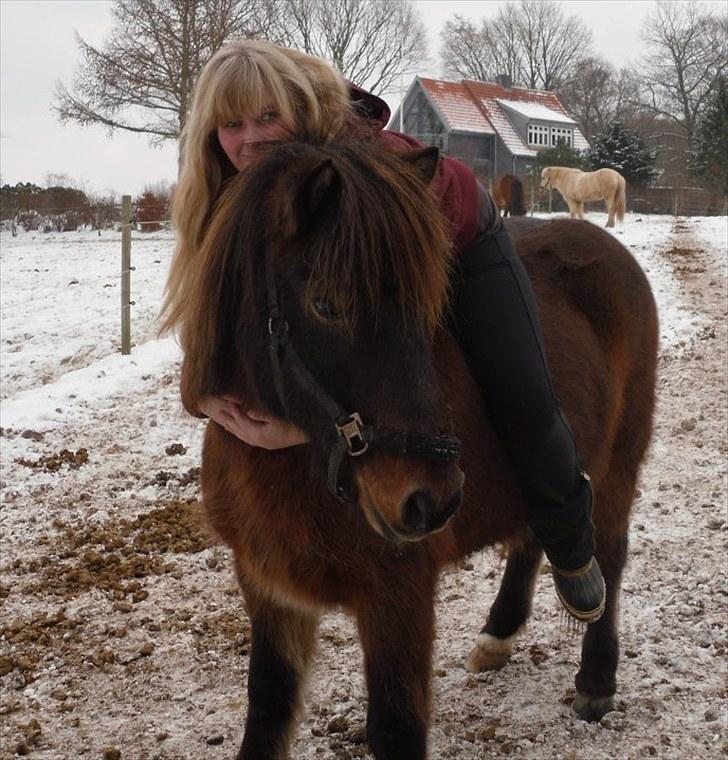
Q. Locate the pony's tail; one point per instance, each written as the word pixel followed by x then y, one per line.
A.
pixel 517 206
pixel 620 201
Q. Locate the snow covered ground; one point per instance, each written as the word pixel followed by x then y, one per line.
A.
pixel 121 628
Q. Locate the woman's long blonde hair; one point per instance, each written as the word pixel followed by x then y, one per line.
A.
pixel 243 77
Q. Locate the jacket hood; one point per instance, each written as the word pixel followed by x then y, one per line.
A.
pixel 370 107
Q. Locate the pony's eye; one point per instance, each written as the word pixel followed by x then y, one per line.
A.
pixel 324 309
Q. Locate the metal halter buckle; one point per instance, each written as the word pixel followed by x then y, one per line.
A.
pixel 351 429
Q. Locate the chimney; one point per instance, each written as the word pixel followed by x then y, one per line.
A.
pixel 505 81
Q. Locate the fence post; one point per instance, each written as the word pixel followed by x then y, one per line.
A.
pixel 533 194
pixel 549 200
pixel 126 274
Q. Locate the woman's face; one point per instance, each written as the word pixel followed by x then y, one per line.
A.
pixel 242 139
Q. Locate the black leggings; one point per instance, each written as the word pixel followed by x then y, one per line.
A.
pixel 496 320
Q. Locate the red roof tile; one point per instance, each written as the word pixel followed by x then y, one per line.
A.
pixel 456 107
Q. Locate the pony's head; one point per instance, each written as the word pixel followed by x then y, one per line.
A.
pixel 322 281
pixel 545 177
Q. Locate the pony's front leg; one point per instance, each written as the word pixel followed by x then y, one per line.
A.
pixel 283 643
pixel 396 627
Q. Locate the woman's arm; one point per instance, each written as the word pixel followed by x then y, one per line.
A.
pixel 250 426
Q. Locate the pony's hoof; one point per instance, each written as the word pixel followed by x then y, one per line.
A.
pixel 592 709
pixel 490 653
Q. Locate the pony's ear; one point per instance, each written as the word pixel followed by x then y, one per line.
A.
pixel 301 203
pixel 424 162
pixel 318 188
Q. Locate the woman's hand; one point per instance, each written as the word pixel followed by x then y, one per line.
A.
pixel 252 427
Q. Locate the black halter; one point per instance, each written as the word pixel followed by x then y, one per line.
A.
pixel 353 437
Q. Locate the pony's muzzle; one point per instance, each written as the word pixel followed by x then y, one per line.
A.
pixel 421 514
pixel 407 500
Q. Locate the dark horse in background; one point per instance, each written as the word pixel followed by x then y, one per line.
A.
pixel 322 295
pixel 508 195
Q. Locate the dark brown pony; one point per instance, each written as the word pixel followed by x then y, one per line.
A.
pixel 508 195
pixel 325 285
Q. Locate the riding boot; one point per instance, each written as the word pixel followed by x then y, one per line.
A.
pixel 567 536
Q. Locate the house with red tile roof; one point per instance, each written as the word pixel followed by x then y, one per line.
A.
pixel 492 126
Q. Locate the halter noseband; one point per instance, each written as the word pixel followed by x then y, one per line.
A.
pixel 353 437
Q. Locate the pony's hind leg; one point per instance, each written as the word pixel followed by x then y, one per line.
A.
pixel 610 214
pixel 283 643
pixel 596 681
pixel 510 610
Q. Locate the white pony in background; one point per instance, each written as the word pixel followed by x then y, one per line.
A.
pixel 577 186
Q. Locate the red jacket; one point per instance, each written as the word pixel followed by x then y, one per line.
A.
pixel 454 184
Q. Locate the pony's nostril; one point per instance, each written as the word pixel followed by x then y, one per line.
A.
pixel 439 520
pixel 417 510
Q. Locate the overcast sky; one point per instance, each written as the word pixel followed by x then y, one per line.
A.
pixel 37 49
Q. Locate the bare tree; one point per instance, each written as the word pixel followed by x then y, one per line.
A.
pixel 598 95
pixel 371 42
pixel 627 106
pixel 466 52
pixel 469 52
pixel 589 96
pixel 142 77
pixel 687 53
pixel 551 43
pixel 533 41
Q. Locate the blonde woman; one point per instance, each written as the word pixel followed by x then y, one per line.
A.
pixel 252 94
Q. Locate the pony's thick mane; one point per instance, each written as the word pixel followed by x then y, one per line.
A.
pixel 377 233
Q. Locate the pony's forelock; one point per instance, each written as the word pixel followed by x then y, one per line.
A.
pixel 384 238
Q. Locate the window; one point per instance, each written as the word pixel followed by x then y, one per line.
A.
pixel 538 135
pixel 541 135
pixel 561 136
